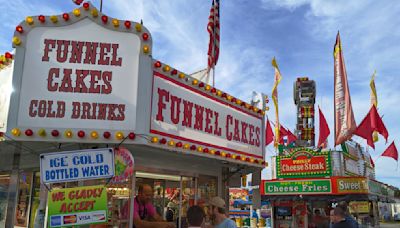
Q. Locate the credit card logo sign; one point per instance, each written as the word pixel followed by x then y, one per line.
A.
pixel 55 220
pixel 70 219
pixel 99 217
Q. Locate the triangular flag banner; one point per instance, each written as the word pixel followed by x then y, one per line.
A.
pixel 377 123
pixel 372 122
pixel 291 137
pixel 345 123
pixel 282 133
pixel 372 161
pixel 364 130
pixel 269 134
pixel 391 151
pixel 323 129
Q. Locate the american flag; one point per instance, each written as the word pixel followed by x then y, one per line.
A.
pixel 213 30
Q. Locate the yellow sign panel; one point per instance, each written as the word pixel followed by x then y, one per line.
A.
pixel 352 185
pixel 359 207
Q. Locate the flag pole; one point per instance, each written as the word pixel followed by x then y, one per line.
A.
pixel 214 31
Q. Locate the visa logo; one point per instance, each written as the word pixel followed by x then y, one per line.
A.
pixel 84 217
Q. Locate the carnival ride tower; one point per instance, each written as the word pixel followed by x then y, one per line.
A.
pixel 304 93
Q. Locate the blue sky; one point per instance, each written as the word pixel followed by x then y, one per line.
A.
pixel 300 33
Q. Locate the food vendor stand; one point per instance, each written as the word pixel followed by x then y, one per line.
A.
pixel 85 80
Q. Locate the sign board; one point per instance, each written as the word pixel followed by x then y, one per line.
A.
pixel 350 185
pixel 303 162
pixel 79 74
pixel 296 187
pixel 359 207
pixel 77 165
pixel 123 165
pixel 351 166
pixel 184 113
pixel 77 206
pixel 5 93
pixel 377 188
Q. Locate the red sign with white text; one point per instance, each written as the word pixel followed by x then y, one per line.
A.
pixel 303 162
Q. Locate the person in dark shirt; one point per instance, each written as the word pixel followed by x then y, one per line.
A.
pixel 345 208
pixel 339 219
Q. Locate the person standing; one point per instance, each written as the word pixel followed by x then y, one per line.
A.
pixel 144 214
pixel 340 220
pixel 218 214
pixel 345 208
pixel 195 216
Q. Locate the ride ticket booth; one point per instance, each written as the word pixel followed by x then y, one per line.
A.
pixel 86 83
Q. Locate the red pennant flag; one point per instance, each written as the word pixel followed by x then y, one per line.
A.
pixel 372 122
pixel 282 133
pixel 269 134
pixel 377 123
pixel 391 151
pixel 291 137
pixel 372 161
pixel 323 129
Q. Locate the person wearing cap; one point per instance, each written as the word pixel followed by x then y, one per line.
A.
pixel 169 215
pixel 218 214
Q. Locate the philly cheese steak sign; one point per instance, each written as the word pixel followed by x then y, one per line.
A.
pixel 303 162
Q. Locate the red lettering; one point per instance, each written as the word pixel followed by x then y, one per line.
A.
pixel 95 75
pixel 32 112
pixel 111 110
pixel 161 105
pixel 198 123
pixel 209 115
pixel 107 77
pixel 251 134
pixel 66 84
pixel 257 142
pixel 76 52
pixel 175 109
pixel 104 49
pixel 53 72
pixel 62 50
pixel 91 53
pixel 217 130
pixel 121 110
pixel 76 110
pixel 102 112
pixel 229 121
pixel 116 61
pixel 236 136
pixel 48 46
pixel 50 112
pixel 80 86
pixel 85 110
pixel 244 132
pixel 187 113
pixel 60 109
pixel 42 108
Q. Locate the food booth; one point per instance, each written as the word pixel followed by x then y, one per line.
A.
pixel 307 184
pixel 84 81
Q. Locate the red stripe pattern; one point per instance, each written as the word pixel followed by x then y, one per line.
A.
pixel 213 30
